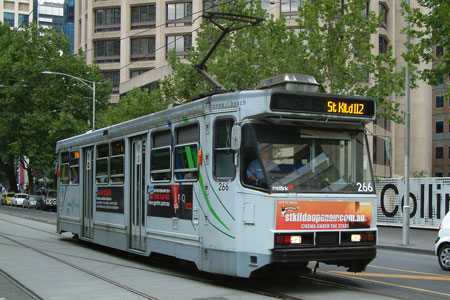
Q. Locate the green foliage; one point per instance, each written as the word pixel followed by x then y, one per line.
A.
pixel 39 109
pixel 419 174
pixel 429 27
pixel 136 103
pixel 331 45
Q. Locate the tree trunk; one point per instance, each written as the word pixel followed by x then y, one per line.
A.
pixel 8 168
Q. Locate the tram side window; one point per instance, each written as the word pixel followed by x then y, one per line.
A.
pixel 117 161
pixel 64 168
pixel 101 164
pixel 74 167
pixel 186 153
pixel 223 155
pixel 160 168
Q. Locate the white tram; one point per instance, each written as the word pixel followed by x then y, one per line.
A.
pixel 177 182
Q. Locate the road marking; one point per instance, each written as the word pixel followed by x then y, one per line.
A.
pixel 407 271
pixel 356 276
pixel 444 278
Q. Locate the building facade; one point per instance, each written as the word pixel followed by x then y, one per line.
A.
pixel 16 13
pixel 441 127
pixel 129 40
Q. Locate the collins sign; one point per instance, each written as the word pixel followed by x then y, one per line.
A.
pixel 429 201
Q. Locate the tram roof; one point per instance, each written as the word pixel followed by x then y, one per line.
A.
pixel 252 103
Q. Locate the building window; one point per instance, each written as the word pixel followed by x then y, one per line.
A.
pixel 439 51
pixel 382 44
pixel 289 8
pixel 23 20
pixel 107 51
pixel 211 5
pixel 143 48
pixel 181 44
pixel 439 126
pixel 137 72
pixel 152 86
pixel 366 10
pixel 143 16
pixel 160 158
pixel 8 18
pixel 439 101
pixel 186 153
pixel 223 154
pixel 438 174
pixel 383 11
pixel 107 19
pixel 439 153
pixel 114 77
pixel 179 14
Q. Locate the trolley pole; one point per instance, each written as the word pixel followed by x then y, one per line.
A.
pixel 406 218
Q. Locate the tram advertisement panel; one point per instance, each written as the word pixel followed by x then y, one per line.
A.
pixel 322 215
pixel 170 201
pixel 109 199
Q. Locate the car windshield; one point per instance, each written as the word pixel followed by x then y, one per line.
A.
pixel 21 196
pixel 307 160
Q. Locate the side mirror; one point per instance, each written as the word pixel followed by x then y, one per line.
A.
pixel 236 137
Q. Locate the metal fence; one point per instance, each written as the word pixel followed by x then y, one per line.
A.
pixel 429 201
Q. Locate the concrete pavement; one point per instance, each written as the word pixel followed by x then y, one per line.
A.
pixel 420 240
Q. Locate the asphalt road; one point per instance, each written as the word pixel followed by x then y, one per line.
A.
pixel 393 274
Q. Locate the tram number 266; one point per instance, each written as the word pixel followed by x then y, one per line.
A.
pixel 223 187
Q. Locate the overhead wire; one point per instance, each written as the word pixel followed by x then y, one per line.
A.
pixel 181 35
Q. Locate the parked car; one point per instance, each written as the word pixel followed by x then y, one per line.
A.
pixel 18 198
pixel 442 245
pixel 30 201
pixel 6 199
pixel 47 201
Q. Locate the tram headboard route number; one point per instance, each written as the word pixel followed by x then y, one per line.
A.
pixel 324 104
pixel 345 108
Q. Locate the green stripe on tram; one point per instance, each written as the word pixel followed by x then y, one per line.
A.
pixel 191 160
pixel 209 221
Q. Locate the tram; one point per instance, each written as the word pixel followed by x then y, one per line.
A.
pixel 236 182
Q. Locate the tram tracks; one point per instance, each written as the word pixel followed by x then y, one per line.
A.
pixel 248 286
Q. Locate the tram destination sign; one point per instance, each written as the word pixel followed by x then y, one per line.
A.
pixel 324 105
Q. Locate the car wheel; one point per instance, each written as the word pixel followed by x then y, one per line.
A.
pixel 444 257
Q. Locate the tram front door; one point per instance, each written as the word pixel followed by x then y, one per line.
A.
pixel 88 222
pixel 138 205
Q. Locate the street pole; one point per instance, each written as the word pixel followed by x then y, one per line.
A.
pixel 84 81
pixel 93 105
pixel 406 218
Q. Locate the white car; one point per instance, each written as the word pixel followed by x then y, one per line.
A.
pixel 442 245
pixel 30 201
pixel 17 200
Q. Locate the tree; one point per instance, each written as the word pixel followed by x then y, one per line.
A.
pixel 429 27
pixel 36 110
pixel 136 103
pixel 332 45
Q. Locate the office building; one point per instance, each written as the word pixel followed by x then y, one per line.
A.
pixel 16 13
pixel 129 40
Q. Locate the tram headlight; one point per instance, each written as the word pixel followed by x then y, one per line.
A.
pixel 286 240
pixel 355 238
pixel 296 239
pixel 362 237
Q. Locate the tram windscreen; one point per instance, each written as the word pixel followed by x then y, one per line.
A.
pixel 304 160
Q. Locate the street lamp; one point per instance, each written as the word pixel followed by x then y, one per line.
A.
pixel 85 82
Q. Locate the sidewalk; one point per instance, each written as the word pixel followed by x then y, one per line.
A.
pixel 420 240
